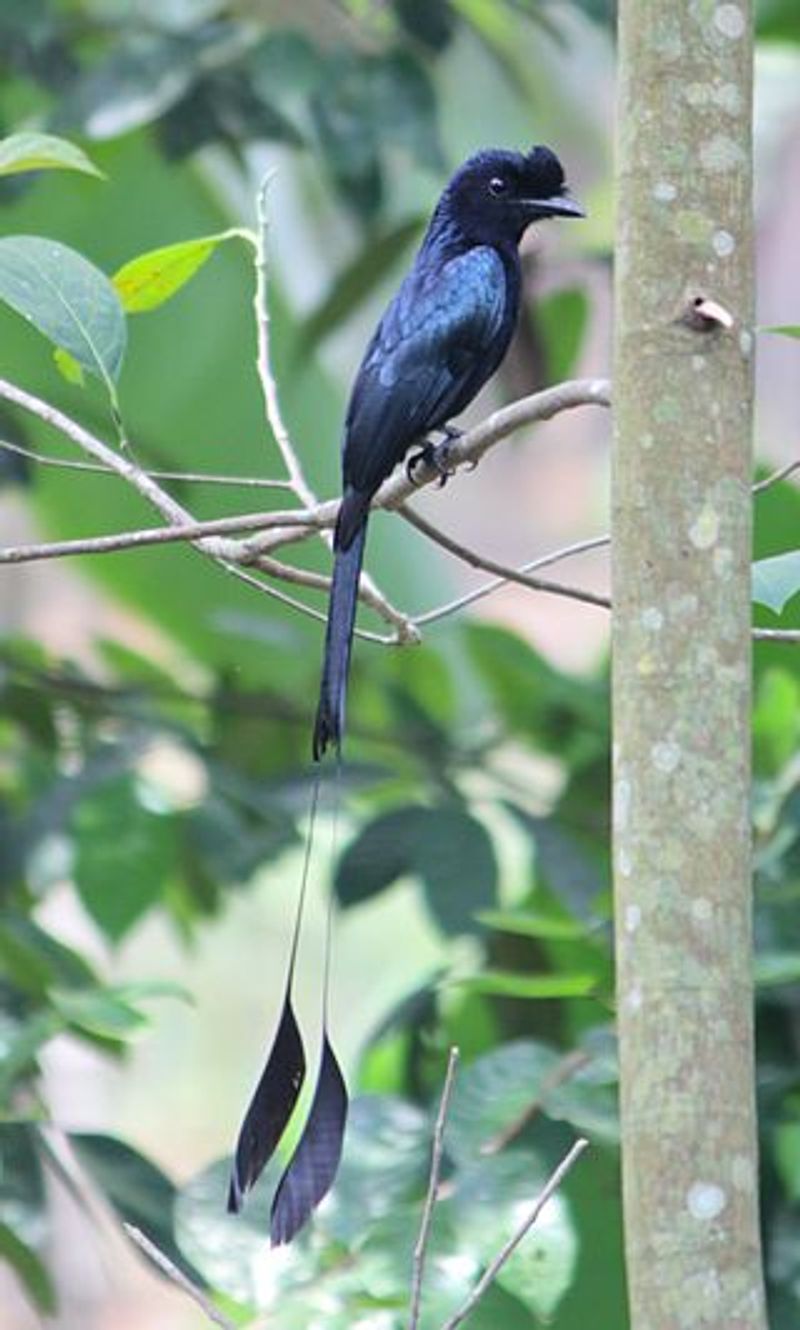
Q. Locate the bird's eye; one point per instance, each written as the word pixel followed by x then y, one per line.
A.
pixel 497 185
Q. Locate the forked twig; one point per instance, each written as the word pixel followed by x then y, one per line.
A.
pixel 506 574
pixel 437 1151
pixel 492 1271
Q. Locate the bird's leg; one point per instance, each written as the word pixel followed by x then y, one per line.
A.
pixel 436 455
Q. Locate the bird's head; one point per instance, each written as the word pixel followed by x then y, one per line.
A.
pixel 496 194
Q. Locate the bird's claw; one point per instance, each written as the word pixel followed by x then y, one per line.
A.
pixel 436 455
pixel 452 432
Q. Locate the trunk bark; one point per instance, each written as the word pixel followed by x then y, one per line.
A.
pixel 681 678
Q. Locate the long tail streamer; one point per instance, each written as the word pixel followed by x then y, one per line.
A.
pixel 312 1167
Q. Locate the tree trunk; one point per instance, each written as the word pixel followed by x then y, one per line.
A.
pixel 681 576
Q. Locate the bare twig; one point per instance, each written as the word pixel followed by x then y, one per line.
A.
pixel 188 477
pixel 269 387
pixel 368 588
pixel 279 528
pixel 128 540
pixel 437 1150
pixel 193 531
pixel 472 445
pixel 174 512
pixel 777 635
pixel 465 451
pixel 487 588
pixel 490 1274
pixel 176 1276
pixel 782 474
pixel 406 632
pixel 88 443
pixel 225 552
pixel 505 574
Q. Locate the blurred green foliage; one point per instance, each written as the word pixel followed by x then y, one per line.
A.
pixel 529 997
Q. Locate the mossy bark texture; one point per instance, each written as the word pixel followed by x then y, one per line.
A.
pixel 683 387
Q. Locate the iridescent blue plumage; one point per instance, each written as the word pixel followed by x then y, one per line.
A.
pixel 443 335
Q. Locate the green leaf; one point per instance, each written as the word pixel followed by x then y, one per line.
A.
pixel 42 152
pixel 455 858
pixel 139 1192
pixel 99 1012
pixel 403 106
pixel 493 1093
pixel 68 367
pixel 787 1157
pixel 562 319
pixel 447 848
pixel 527 923
pixel 285 66
pixel 777 967
pixel 124 855
pixel 20 1049
pixel 143 75
pixel 562 864
pixel 151 279
pixel 587 1105
pixel 30 1270
pixel 55 962
pixel 386 1139
pixel 566 715
pixel 784 329
pixel 226 1248
pixel 70 301
pixel 597 1296
pixel 777 580
pixel 379 855
pixel 144 989
pixel 20 962
pixel 776 721
pixel 492 1198
pixel 508 983
pixel 22 1195
pixel 433 25
pixel 356 281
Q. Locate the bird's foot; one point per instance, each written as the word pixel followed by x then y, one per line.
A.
pixel 435 455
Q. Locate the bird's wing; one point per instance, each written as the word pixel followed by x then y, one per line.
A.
pixel 441 338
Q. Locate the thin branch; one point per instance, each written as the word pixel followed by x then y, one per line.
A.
pixel 782 474
pixel 279 528
pixel 506 574
pixel 250 580
pixel 474 443
pixel 269 387
pixel 487 588
pixel 225 552
pixel 190 477
pixel 493 1270
pixel 127 540
pixel 88 443
pixel 406 633
pixel 139 480
pixel 368 589
pixel 176 1276
pixel 437 1151
pixel 465 451
pixel 777 635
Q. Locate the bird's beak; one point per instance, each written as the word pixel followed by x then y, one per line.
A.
pixel 561 205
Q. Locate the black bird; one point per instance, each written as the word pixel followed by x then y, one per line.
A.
pixel 443 335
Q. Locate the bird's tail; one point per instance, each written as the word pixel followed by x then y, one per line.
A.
pixel 329 724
